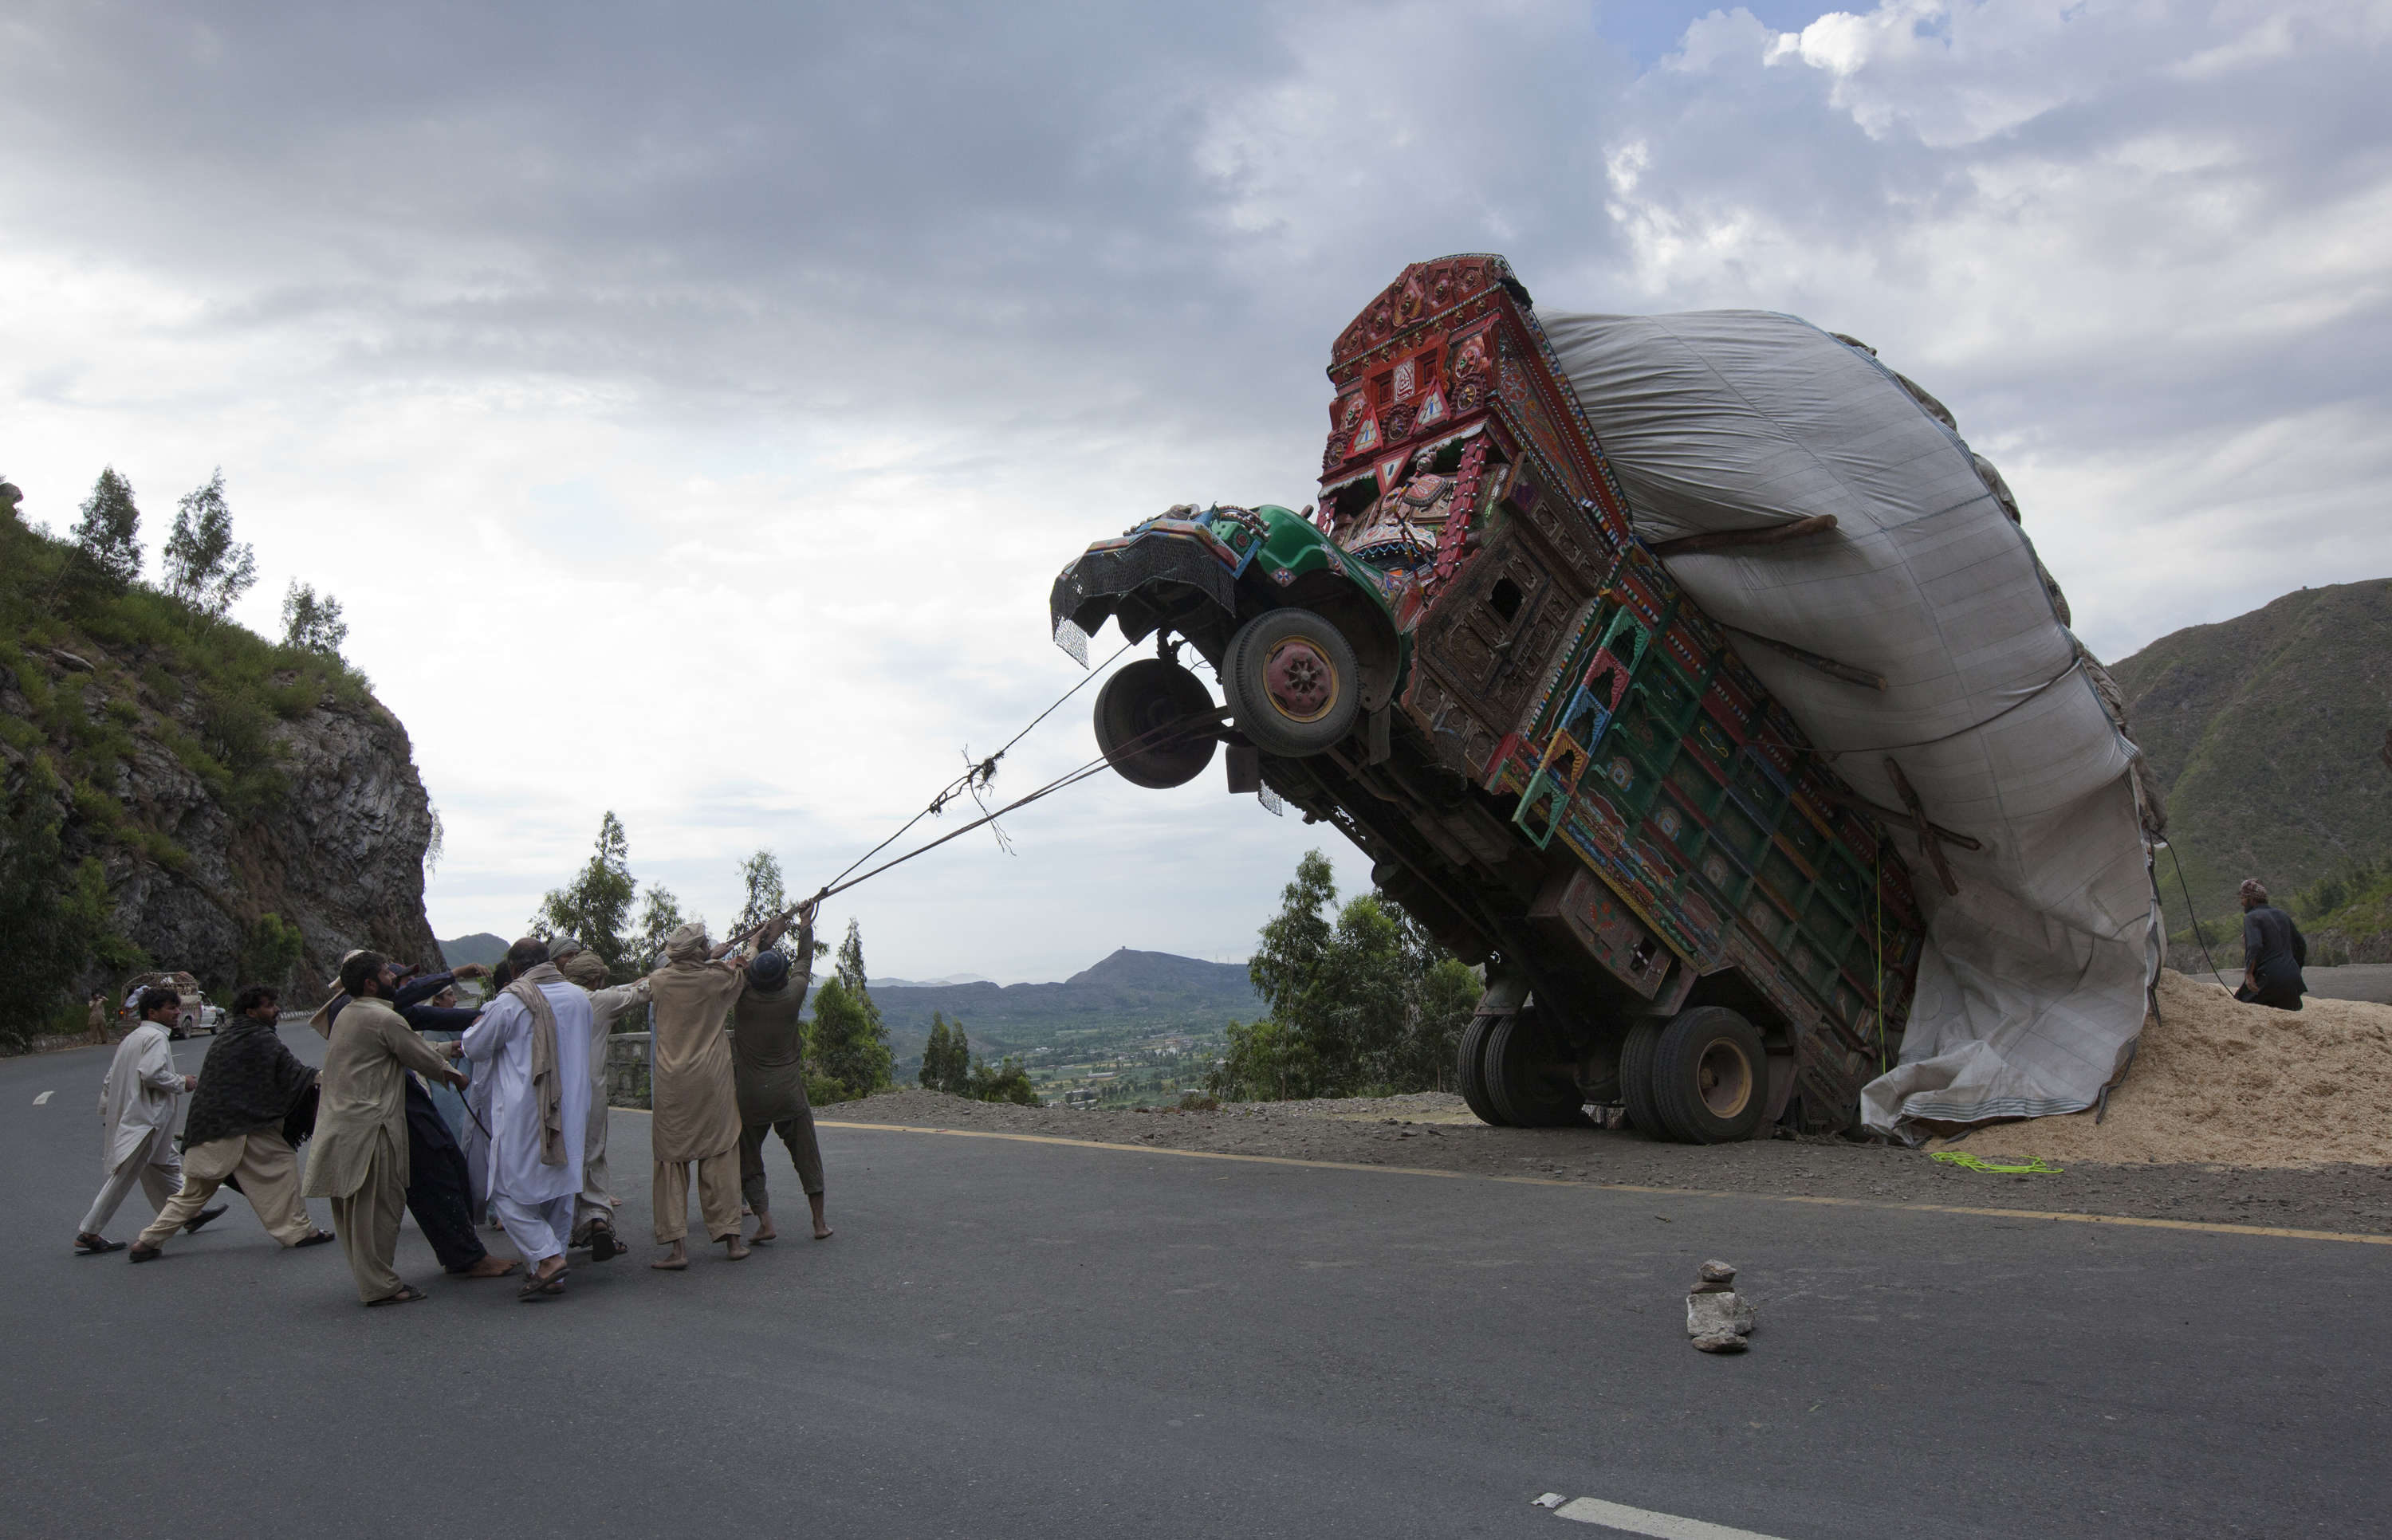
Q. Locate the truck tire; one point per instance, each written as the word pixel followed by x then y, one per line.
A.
pixel 1470 1069
pixel 1710 1076
pixel 1135 713
pixel 1294 685
pixel 1531 1083
pixel 1636 1079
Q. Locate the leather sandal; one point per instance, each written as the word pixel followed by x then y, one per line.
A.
pixel 145 1253
pixel 90 1244
pixel 203 1216
pixel 313 1237
pixel 408 1294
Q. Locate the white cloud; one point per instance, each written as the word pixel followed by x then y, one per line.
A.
pixel 732 385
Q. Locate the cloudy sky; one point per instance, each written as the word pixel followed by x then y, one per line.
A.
pixel 691 403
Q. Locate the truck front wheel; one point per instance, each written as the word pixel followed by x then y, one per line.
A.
pixel 1710 1076
pixel 1294 685
pixel 1155 724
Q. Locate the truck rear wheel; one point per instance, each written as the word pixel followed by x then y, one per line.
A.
pixel 1155 724
pixel 1533 1082
pixel 1710 1076
pixel 1294 685
pixel 1470 1069
pixel 1636 1078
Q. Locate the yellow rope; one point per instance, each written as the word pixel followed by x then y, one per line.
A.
pixel 2034 1166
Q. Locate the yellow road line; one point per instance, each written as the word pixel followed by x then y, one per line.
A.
pixel 2206 1227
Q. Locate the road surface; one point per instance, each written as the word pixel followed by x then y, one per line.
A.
pixel 1017 1339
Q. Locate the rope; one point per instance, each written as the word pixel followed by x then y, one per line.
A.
pixel 1069 777
pixel 982 772
pixel 1967 1162
pixel 2186 889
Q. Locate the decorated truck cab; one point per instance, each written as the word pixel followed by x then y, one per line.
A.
pixel 1464 658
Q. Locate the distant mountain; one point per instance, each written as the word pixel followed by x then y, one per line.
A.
pixel 481 946
pixel 928 983
pixel 1153 990
pixel 2264 732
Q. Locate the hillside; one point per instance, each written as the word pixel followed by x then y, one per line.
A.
pixel 2264 732
pixel 1144 992
pixel 168 780
pixel 481 946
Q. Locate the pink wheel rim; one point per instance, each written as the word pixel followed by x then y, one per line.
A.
pixel 1301 682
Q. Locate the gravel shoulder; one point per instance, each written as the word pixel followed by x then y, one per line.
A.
pixel 1435 1133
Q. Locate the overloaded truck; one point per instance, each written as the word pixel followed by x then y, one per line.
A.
pixel 1463 659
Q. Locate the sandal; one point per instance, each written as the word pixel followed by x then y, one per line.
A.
pixel 313 1237
pixel 203 1216
pixel 537 1288
pixel 97 1245
pixel 408 1294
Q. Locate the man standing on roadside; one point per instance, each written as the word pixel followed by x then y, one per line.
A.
pixel 594 1211
pixel 767 1065
pixel 696 1120
pixel 97 1008
pixel 247 1085
pixel 137 1103
pixel 534 1043
pixel 358 1155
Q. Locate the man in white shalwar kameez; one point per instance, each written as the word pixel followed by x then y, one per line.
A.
pixel 594 1212
pixel 533 1044
pixel 138 1103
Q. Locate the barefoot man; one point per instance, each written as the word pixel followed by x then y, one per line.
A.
pixel 696 1120
pixel 768 1062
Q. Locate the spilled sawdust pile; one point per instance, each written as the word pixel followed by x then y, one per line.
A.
pixel 2216 1081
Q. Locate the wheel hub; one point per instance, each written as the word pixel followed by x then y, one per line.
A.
pixel 1300 682
pixel 1723 1079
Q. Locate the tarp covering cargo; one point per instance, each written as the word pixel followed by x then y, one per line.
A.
pixel 2033 985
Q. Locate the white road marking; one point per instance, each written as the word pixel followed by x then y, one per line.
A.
pixel 1638 1520
pixel 43 1097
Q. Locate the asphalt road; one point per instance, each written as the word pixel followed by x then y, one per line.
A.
pixel 1013 1339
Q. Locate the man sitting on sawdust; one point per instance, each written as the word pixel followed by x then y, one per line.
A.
pixel 2273 952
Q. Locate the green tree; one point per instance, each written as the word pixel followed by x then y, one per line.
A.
pixel 1366 1002
pixel 759 874
pixel 848 1048
pixel 595 906
pixel 311 622
pixel 53 915
pixel 108 537
pixel 1006 1083
pixel 206 567
pixel 270 951
pixel 946 1060
pixel 659 917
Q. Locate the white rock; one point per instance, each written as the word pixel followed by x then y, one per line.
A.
pixel 1717 1315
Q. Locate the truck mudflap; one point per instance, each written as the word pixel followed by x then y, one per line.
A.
pixel 1140 577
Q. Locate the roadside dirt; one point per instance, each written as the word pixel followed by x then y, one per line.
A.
pixel 1436 1133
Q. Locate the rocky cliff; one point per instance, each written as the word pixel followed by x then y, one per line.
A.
pixel 214 777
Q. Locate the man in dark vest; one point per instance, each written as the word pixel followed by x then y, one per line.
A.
pixel 2273 952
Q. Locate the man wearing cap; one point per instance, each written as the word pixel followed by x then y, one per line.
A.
pixel 594 1211
pixel 2273 952
pixel 768 1067
pixel 697 1118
